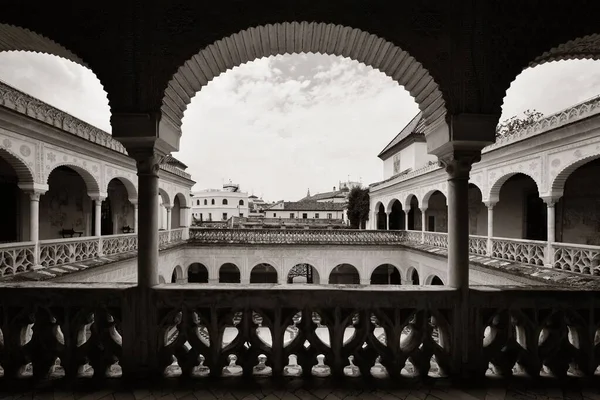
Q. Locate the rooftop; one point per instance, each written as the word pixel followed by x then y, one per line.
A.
pixel 311 205
pixel 414 129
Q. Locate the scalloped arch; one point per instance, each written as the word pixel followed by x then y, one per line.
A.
pixel 16 38
pixel 494 193
pixel 558 183
pixel 24 173
pixel 297 38
pixel 91 183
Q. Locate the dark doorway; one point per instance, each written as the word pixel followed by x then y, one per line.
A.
pixel 536 224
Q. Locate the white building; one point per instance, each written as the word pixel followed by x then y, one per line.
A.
pixel 219 204
pixel 307 210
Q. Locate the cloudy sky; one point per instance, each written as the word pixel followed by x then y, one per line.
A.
pixel 280 125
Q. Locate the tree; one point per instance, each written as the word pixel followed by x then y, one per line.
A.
pixel 358 207
pixel 515 124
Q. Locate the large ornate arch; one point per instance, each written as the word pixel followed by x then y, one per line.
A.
pixel 23 171
pixel 91 183
pixel 558 182
pixel 16 38
pixel 301 37
pixel 496 185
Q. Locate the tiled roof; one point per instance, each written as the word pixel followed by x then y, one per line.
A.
pixel 169 159
pixel 324 195
pixel 312 205
pixel 414 128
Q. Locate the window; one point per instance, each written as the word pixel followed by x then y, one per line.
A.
pixel 316 215
pixel 274 215
pixel 205 202
pixel 198 202
pixel 212 201
pixel 241 202
pixel 210 216
pixel 292 215
pixel 242 215
pixel 200 216
pixel 329 215
pixel 304 216
pixel 224 216
pixel 224 202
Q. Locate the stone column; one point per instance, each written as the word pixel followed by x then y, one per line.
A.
pixel 34 190
pixel 184 221
pixel 98 199
pixel 551 220
pixel 406 219
pixel 490 226
pixel 423 223
pixel 458 164
pixel 168 208
pixel 135 217
pixel 387 221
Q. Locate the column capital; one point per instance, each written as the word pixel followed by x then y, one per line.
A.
pixel 147 159
pixel 457 158
pixel 34 190
pixel 98 196
pixel 143 130
pixel 550 200
pixel 168 207
pixel 423 209
pixel 490 204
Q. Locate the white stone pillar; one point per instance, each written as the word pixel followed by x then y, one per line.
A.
pixel 457 163
pixel 423 223
pixel 98 216
pixel 135 217
pixel 168 208
pixel 490 226
pixel 387 221
pixel 551 227
pixel 34 190
pixel 406 219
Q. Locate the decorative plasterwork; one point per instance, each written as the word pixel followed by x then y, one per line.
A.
pixel 23 154
pixel 497 176
pixel 18 101
pixel 296 38
pixel 55 157
pixel 567 159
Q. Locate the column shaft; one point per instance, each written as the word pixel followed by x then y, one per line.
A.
pixel 490 227
pixel 406 219
pixel 148 222
pixel 551 220
pixel 98 217
pixel 458 232
pixel 423 223
pixel 135 218
pixel 34 217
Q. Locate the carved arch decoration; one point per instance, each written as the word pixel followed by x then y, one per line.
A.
pixel 560 170
pixel 582 48
pixel 408 199
pixel 132 193
pixel 428 192
pixel 496 183
pixel 18 164
pixel 91 182
pixel 297 38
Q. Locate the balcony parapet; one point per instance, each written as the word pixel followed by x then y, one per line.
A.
pixel 74 332
pixel 296 236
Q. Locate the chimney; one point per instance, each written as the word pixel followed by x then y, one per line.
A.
pixel 334 188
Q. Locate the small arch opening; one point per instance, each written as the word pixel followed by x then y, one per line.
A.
pixel 263 273
pixel 197 273
pixel 303 273
pixel 386 274
pixel 229 273
pixel 344 274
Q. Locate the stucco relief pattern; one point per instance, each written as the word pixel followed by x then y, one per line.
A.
pixel 531 166
pixel 24 150
pixel 559 162
pixel 55 157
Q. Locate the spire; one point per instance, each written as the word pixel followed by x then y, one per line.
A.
pixel 308 193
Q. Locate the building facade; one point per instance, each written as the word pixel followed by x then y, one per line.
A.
pixel 213 205
pixel 308 212
pixel 63 178
pixel 537 185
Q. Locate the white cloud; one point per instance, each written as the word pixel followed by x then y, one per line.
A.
pixel 280 125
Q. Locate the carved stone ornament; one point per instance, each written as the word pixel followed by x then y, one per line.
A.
pixel 458 163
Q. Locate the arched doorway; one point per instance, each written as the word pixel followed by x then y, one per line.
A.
pixel 413 275
pixel 303 273
pixel 477 212
pixel 381 217
pixel 66 205
pixel 346 274
pixel 437 213
pixel 229 273
pixel 386 274
pixel 197 273
pixel 578 210
pixel 520 212
pixel 117 210
pixel 397 219
pixel 14 215
pixel 263 273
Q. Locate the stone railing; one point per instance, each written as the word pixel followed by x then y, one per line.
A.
pixel 478 245
pixel 295 236
pixel 16 258
pixel 437 239
pixel 116 244
pixel 56 252
pixel 72 332
pixel 414 236
pixel 584 259
pixel 523 251
pixel 21 257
